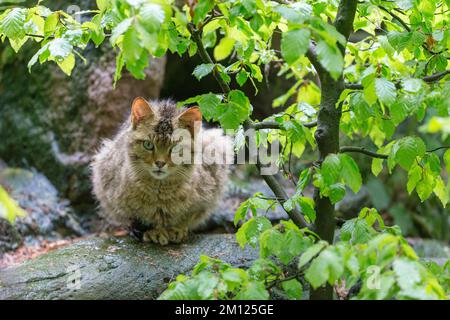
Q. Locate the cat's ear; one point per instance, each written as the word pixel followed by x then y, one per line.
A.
pixel 140 109
pixel 191 119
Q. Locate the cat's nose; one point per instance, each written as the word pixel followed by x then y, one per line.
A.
pixel 160 163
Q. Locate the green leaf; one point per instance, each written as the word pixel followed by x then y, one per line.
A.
pixel 9 209
pixel 12 25
pixel 293 289
pixel 336 192
pixel 236 111
pixel 377 166
pixel 414 176
pixel 405 151
pixel 250 230
pixel 328 266
pixel 441 191
pixel 67 64
pixel 50 23
pixel 203 70
pixel 294 44
pixel 152 16
pixel 102 4
pixel 224 48
pixel 311 252
pixel 307 206
pixel 201 9
pixel 331 169
pixel 357 231
pixel 407 274
pixel 253 290
pixel 330 58
pixel 208 105
pixel 241 77
pixel 120 29
pixel 350 172
pixel 60 49
pixel 385 90
pixel 119 66
pixel 447 160
pixel 16 44
pixel 425 186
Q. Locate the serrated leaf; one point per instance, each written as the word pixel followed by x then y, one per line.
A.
pixel 12 25
pixel 201 9
pixel 152 16
pixel 236 111
pixel 336 192
pixel 224 48
pixel 249 232
pixel 446 158
pixel 293 289
pixel 330 58
pixel 414 176
pixel 203 70
pixel 377 166
pixel 307 206
pixel 50 23
pixel 331 169
pixel 241 77
pixel 294 44
pixel 311 252
pixel 425 186
pixel 350 172
pixel 253 291
pixel 405 151
pixel 385 90
pixel 67 64
pixel 327 267
pixel 120 29
pixel 441 191
pixel 208 105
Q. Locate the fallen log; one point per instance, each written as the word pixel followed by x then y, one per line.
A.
pixel 114 268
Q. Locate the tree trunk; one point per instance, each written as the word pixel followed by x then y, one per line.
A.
pixel 114 268
pixel 327 134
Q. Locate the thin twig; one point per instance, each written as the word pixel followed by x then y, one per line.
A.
pixel 428 79
pixel 364 151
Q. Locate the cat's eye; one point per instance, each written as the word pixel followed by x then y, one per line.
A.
pixel 148 145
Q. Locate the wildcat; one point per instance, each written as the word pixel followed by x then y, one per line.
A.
pixel 136 179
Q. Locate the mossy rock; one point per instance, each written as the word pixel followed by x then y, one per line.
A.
pixel 53 122
pixel 114 268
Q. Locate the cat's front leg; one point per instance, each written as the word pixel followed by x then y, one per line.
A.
pixel 177 234
pixel 158 236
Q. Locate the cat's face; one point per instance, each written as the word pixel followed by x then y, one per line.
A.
pixel 162 136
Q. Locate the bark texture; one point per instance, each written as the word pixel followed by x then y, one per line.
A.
pixel 327 133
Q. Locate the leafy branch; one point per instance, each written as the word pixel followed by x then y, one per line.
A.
pixel 271 181
pixel 398 84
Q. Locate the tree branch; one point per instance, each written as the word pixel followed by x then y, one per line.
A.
pixel 275 125
pixel 312 56
pixel 345 16
pixel 379 155
pixel 364 151
pixel 274 185
pixel 405 26
pixel 204 55
pixel 436 77
pixel 428 79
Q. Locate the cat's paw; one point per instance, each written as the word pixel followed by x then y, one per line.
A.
pixel 177 234
pixel 158 236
